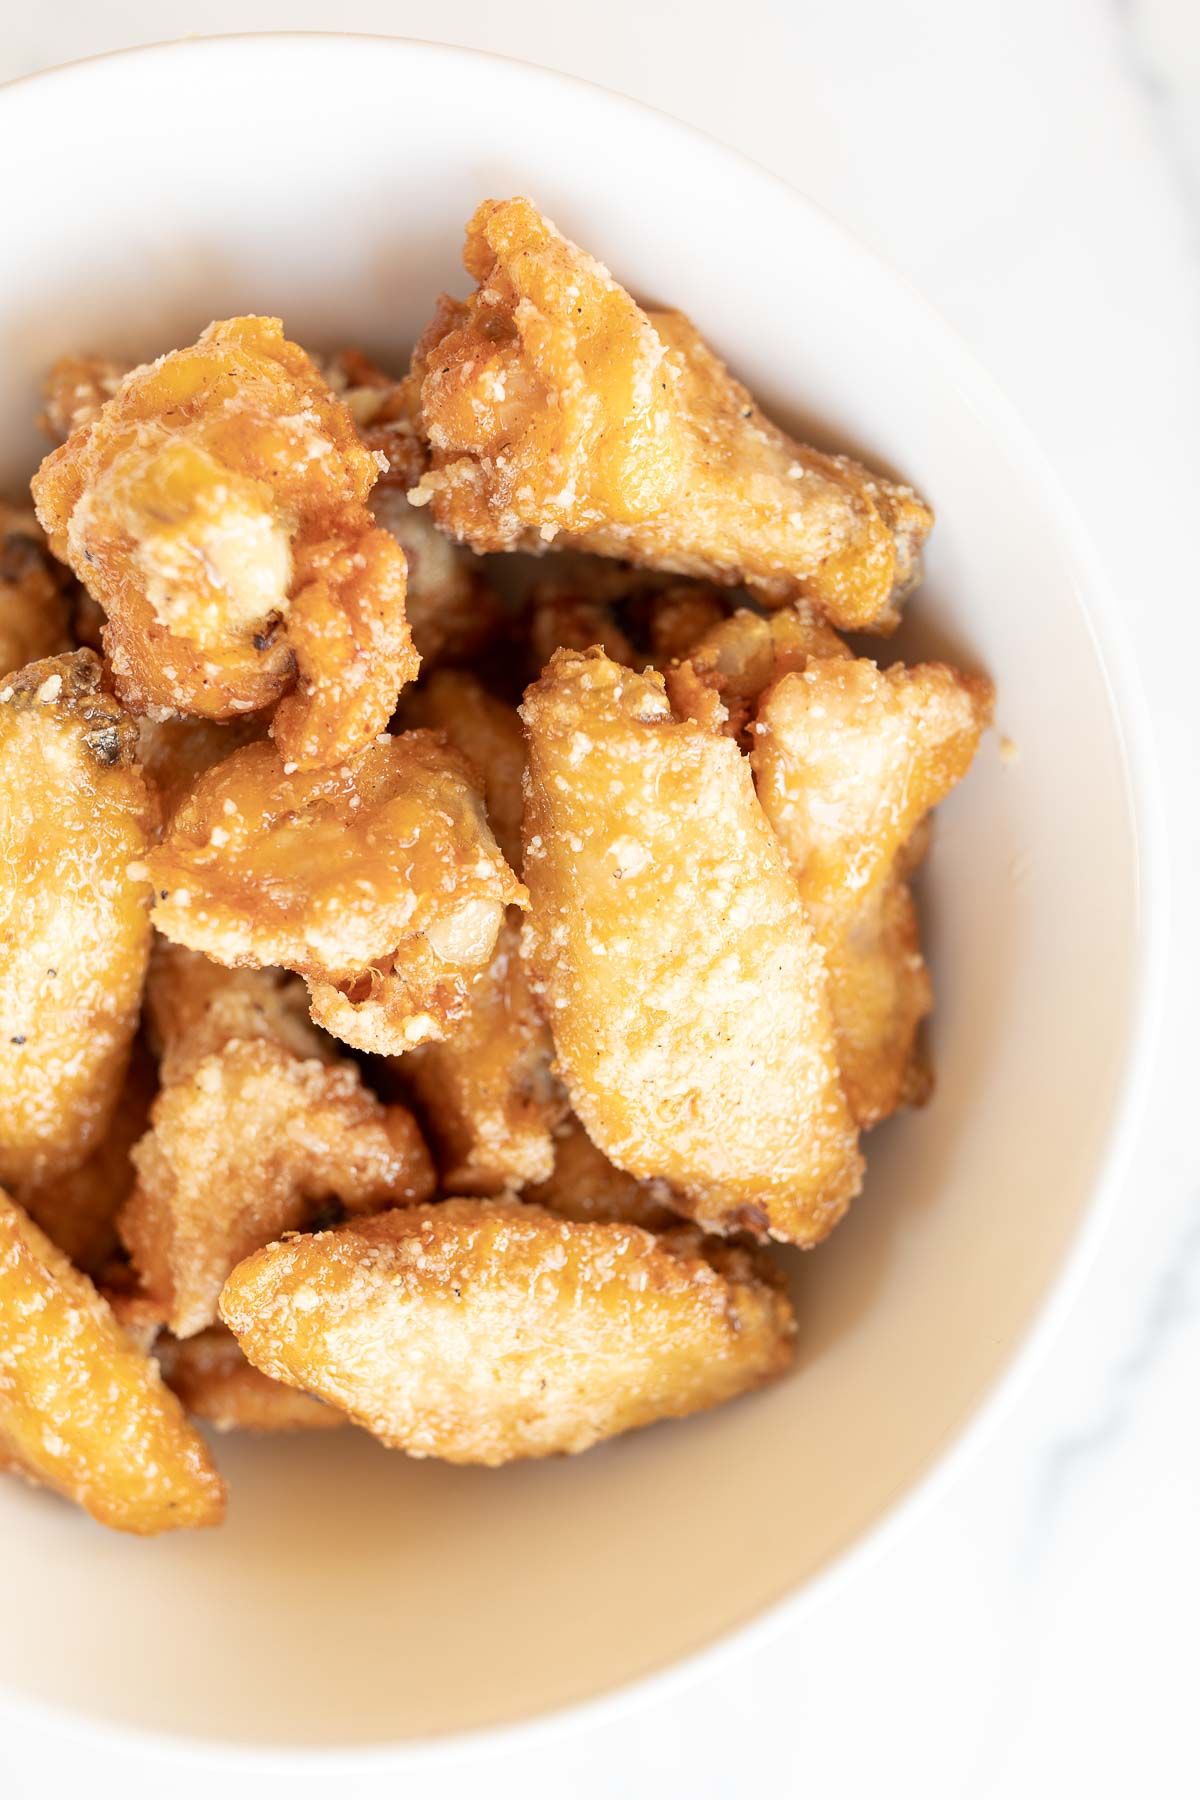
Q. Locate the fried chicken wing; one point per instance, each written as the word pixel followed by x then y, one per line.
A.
pixel 484 1331
pixel 564 616
pixel 683 985
pixel 675 618
pixel 77 1209
pixel 250 1136
pixel 84 1412
pixel 195 1007
pixel 378 881
pixel 215 1382
pixel 215 506
pixel 584 1185
pixel 74 390
pixel 75 815
pixel 488 733
pixel 453 612
pixel 726 672
pixel 487 1092
pixel 175 752
pixel 849 759
pixel 557 411
pixel 33 607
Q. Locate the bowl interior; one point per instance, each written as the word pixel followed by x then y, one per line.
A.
pixel 356 1598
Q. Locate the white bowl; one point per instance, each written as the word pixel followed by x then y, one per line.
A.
pixel 359 1601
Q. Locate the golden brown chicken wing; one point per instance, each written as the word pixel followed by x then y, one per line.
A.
pixel 488 733
pixel 216 507
pixel 34 616
pixel 175 752
pixel 671 620
pixel 584 1185
pixel 725 672
pixel 557 411
pixel 195 1007
pixel 679 973
pixel 75 817
pixel 74 390
pixel 482 1331
pixel 453 612
pixel 378 881
pixel 215 1382
pixel 250 1136
pixel 77 1208
pixel 565 615
pixel 81 1409
pixel 487 1092
pixel 849 759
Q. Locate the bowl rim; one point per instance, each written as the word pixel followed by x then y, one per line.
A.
pixel 1130 715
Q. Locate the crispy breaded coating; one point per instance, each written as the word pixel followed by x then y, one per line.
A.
pixel 74 390
pixel 75 815
pixel 487 1092
pixel 34 615
pixel 584 1185
pixel 726 672
pixel 488 733
pixel 557 411
pixel 674 619
pixel 215 1382
pixel 142 1319
pixel 849 759
pixel 485 1331
pixel 250 1136
pixel 564 616
pixel 378 881
pixel 215 506
pixel 680 976
pixel 453 612
pixel 174 752
pixel 195 1007
pixel 81 1409
pixel 77 1208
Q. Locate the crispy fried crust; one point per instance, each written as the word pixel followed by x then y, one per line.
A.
pixel 78 1209
pixel 33 606
pixel 175 752
pixel 75 814
pixel 849 759
pixel 74 390
pixel 563 615
pixel 487 1092
pixel 584 1185
pixel 211 1376
pixel 215 506
pixel 556 411
pixel 488 733
pixel 682 983
pixel 249 1138
pixel 378 881
pixel 81 1409
pixel 725 673
pixel 485 1331
pixel 453 613
pixel 194 1008
pixel 675 618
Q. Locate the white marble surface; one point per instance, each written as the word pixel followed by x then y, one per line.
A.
pixel 1035 168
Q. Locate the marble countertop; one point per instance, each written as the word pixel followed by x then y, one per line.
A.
pixel 1035 169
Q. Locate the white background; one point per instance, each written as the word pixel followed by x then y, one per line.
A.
pixel 1034 167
